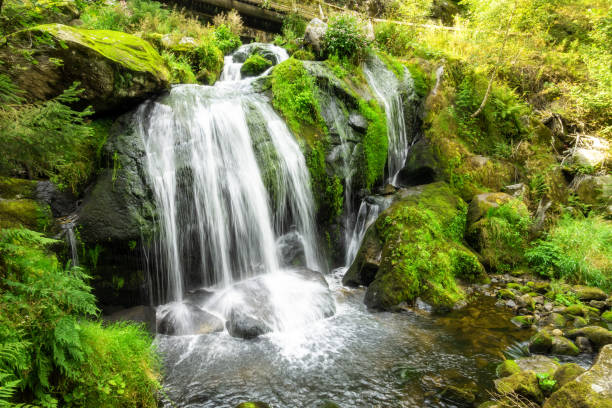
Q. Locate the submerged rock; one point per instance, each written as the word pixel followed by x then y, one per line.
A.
pixel 243 325
pixel 187 319
pixel 113 68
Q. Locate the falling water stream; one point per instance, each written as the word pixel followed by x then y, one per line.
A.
pixel 220 230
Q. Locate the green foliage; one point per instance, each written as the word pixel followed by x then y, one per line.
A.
pixel 48 138
pixel 294 26
pixel 206 59
pixel 303 55
pixel 546 383
pixel 49 354
pixel 576 250
pixel 375 142
pixel 393 38
pixel 255 65
pixel 294 96
pixel 226 40
pixel 328 191
pixel 345 37
pixel 180 68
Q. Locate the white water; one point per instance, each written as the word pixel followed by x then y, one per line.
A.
pixel 216 223
pixel 386 86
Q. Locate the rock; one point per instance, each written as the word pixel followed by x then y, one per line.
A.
pixel 387 189
pixel 114 69
pixel 511 304
pixel 61 203
pixel 595 190
pixel 580 321
pixel 592 151
pixel 506 294
pixel 584 344
pixel 459 396
pixel 185 318
pixel 365 266
pixel 254 65
pixel 245 326
pixel 557 332
pixel 139 314
pixel 507 368
pixel 592 389
pixel 291 248
pixel 253 404
pixel 524 383
pixel 478 161
pixel 566 373
pixel 538 364
pixel 313 36
pixel 541 342
pixel 556 320
pixel 358 122
pixel 481 203
pixel 421 165
pixel 607 316
pixel 198 296
pixel 523 322
pixel 598 304
pixel 586 293
pixel 515 190
pixel 526 301
pixel 598 336
pixel 563 346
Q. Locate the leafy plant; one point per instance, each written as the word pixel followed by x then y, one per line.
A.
pixel 226 40
pixel 546 383
pixel 345 37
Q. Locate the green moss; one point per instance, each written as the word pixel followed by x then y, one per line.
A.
pixel 375 142
pixel 393 65
pixel 255 65
pixel 607 316
pixel 11 188
pixel 420 79
pixel 541 342
pixel 206 60
pixel 256 404
pixel 577 394
pixel 24 213
pixel 304 55
pixel 420 256
pixel 293 93
pixel 523 322
pixel 566 373
pixel 125 49
pixel 327 190
pixel 523 383
pixel 507 368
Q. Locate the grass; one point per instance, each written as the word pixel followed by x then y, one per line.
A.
pixel 577 250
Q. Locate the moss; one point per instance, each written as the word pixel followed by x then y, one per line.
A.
pixel 523 383
pixel 507 368
pixel 566 373
pixel 255 65
pixel 304 55
pixel 128 50
pixel 541 342
pixel 420 79
pixel 375 142
pixel 255 404
pixel 11 188
pixel 293 93
pixel 577 394
pixel 607 316
pixel 393 65
pixel 420 255
pixel 327 190
pixel 506 294
pixel 206 60
pixel 24 213
pixel 523 322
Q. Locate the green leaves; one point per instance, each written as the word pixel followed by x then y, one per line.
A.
pixel 345 37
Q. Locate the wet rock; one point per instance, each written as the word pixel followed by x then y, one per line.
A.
pixel 253 404
pixel 187 319
pixel 598 304
pixel 358 122
pixel 586 293
pixel 563 346
pixel 538 364
pixel 460 396
pixel 541 342
pixel 526 301
pixel 421 165
pixel 524 384
pixel 363 270
pixel 291 248
pixel 566 373
pixel 555 319
pixel 592 389
pixel 198 296
pixel 507 368
pixel 584 344
pixel 61 203
pixel 114 69
pixel 557 332
pixel 598 336
pixel 245 326
pixel 313 36
pixel 523 322
pixel 511 304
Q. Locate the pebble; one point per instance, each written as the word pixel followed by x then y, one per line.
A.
pixel 557 332
pixel 548 307
pixel 511 304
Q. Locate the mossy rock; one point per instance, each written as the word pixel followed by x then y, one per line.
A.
pixel 607 316
pixel 566 373
pixel 255 65
pixel 599 336
pixel 458 395
pixel 564 346
pixel 524 383
pixel 15 188
pixel 587 293
pixel 113 68
pixel 25 213
pixel 506 294
pixel 523 322
pixel 507 368
pixel 253 404
pixel 422 254
pixel 482 203
pixel 541 342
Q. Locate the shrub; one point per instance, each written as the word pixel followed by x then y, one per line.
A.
pixel 303 55
pixel 255 65
pixel 180 69
pixel 66 153
pixel 226 40
pixel 49 354
pixel 294 26
pixel 206 59
pixel 231 20
pixel 393 38
pixel 576 250
pixel 345 37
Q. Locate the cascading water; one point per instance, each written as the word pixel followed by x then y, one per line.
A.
pixel 386 86
pixel 68 223
pixel 216 224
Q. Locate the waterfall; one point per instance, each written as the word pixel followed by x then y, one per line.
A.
pixel 215 218
pixel 68 223
pixel 387 90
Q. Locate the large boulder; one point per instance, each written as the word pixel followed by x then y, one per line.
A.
pixel 113 68
pixel 418 241
pixel 598 336
pixel 524 383
pixel 592 389
pixel 482 203
pixel 594 190
pixel 186 318
pixel 313 36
